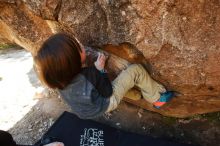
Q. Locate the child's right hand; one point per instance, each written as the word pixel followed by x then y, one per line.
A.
pixel 100 62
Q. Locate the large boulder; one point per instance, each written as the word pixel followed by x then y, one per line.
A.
pixel 179 39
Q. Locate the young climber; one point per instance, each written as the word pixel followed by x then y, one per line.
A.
pixel 88 90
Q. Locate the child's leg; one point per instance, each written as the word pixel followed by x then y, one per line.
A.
pixel 135 74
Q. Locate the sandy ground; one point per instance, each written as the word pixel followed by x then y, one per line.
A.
pixel 27 110
pixel 15 87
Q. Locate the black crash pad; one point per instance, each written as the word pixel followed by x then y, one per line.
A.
pixel 73 131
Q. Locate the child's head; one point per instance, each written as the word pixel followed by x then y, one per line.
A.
pixel 59 60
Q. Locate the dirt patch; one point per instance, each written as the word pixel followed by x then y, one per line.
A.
pixel 31 110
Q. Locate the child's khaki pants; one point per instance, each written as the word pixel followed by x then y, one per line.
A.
pixel 134 75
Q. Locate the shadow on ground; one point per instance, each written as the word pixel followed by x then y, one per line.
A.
pixel 196 130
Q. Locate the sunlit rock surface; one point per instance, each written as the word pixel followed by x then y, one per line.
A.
pixel 179 39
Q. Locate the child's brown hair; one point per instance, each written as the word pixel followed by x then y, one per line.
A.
pixel 58 60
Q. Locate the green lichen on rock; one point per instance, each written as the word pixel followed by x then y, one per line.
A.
pixel 6 46
pixel 212 117
pixel 170 120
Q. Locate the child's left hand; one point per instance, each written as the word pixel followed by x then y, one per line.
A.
pixel 55 144
pixel 100 62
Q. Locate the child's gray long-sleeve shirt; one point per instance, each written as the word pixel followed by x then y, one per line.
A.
pixel 88 94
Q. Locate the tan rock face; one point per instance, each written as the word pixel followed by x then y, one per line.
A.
pixel 180 39
pixel 21 26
